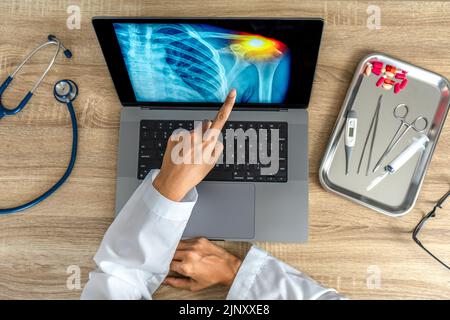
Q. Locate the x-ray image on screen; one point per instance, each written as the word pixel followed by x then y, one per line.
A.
pixel 201 63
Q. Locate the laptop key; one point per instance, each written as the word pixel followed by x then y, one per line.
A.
pixel 154 135
pixel 219 176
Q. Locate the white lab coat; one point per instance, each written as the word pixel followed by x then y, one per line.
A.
pixel 134 256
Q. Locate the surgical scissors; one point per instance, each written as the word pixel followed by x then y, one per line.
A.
pixel 401 112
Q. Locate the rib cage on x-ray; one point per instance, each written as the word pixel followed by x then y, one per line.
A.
pixel 175 62
pixel 193 60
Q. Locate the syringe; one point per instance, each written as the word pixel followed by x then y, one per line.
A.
pixel 417 144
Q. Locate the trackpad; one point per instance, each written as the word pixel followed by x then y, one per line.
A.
pixel 223 211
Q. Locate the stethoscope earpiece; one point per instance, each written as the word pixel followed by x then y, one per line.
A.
pixel 67 52
pixel 65 91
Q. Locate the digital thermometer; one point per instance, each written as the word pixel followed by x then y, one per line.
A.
pixel 350 137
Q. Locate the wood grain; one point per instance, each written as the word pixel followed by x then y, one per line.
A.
pixel 36 247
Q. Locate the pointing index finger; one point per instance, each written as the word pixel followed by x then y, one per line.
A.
pixel 224 112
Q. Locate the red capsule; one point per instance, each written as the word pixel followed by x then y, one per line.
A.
pixel 376 71
pixel 403 83
pixel 380 81
pixel 377 64
pixel 391 69
pixel 397 88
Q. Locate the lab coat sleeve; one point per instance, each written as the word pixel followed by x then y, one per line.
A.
pixel 263 277
pixel 134 256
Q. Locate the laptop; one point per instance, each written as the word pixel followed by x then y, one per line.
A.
pixel 170 73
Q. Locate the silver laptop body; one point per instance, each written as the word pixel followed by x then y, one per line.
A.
pixel 260 211
pixel 231 210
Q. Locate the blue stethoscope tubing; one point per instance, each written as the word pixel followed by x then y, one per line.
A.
pixel 66 175
pixel 64 97
pixel 9 112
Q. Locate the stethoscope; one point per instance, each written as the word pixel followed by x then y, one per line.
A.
pixel 65 91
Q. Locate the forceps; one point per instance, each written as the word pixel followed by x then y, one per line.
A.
pixel 400 113
pixel 374 126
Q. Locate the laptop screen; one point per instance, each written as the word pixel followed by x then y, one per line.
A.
pixel 185 62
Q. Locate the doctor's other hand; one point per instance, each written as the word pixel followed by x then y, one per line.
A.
pixel 189 157
pixel 202 264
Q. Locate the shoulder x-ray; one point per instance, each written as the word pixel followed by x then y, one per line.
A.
pixel 201 63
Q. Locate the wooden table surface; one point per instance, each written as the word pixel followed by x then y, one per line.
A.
pixel 347 243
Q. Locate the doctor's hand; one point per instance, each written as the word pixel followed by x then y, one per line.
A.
pixel 202 264
pixel 189 157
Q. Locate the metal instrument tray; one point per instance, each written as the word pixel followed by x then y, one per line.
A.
pixel 426 94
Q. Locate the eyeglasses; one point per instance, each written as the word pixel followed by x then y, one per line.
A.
pixel 422 223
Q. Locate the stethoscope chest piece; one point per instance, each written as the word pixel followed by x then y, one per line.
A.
pixel 65 91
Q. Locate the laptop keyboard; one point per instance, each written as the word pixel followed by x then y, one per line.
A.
pixel 155 133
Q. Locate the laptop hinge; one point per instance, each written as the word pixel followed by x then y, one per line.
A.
pixel 210 108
